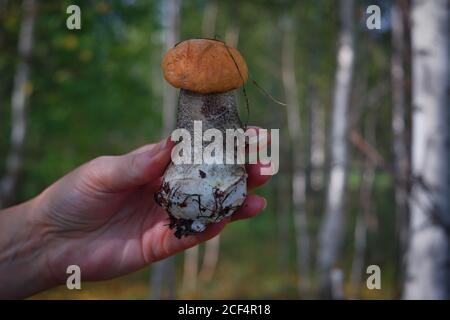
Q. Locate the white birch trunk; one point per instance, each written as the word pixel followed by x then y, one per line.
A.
pixel 331 233
pixel 317 154
pixel 210 259
pixel 190 271
pixel 428 261
pixel 163 272
pixel 298 179
pixel 19 103
pixel 209 19
pixel 171 22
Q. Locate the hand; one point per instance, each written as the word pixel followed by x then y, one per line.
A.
pixel 103 218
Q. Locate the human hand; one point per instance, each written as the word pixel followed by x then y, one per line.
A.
pixel 103 218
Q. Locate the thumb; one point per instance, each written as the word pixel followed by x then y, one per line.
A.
pixel 118 173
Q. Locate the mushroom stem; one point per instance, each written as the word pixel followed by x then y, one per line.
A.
pixel 195 195
pixel 215 110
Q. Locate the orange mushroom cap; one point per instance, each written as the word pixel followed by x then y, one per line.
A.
pixel 204 66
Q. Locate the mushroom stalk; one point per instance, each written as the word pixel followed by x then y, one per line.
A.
pixel 196 195
pixel 215 110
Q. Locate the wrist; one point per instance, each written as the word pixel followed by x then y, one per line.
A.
pixel 23 252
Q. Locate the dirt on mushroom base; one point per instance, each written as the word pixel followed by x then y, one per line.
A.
pixel 193 204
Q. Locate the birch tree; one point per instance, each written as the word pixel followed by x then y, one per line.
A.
pixel 317 143
pixel 163 272
pixel 19 103
pixel 330 237
pixel 298 175
pixel 428 268
pixel 209 19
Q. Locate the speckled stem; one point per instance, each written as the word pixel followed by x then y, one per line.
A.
pixel 215 110
pixel 196 195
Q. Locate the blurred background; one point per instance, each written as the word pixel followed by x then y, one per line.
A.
pixel 342 198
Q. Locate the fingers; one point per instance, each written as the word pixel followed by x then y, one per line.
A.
pixel 252 206
pixel 255 178
pixel 147 147
pixel 162 243
pixel 168 244
pixel 211 231
pixel 148 162
pixel 118 173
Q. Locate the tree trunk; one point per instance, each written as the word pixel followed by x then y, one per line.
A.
pixel 210 259
pixel 19 103
pixel 171 23
pixel 190 270
pixel 360 242
pixel 232 34
pixel 331 233
pixel 3 6
pixel 298 179
pixel 428 268
pixel 282 195
pixel 209 19
pixel 317 136
pixel 283 221
pixel 367 146
pixel 163 272
pixel 400 123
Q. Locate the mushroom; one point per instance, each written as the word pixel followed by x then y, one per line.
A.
pixel 207 73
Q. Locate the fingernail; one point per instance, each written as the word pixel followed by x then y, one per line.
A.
pixel 163 144
pixel 265 203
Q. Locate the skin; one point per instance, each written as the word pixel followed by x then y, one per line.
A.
pixel 102 217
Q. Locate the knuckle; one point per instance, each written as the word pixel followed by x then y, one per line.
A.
pixel 96 167
pixel 133 168
pixel 100 161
